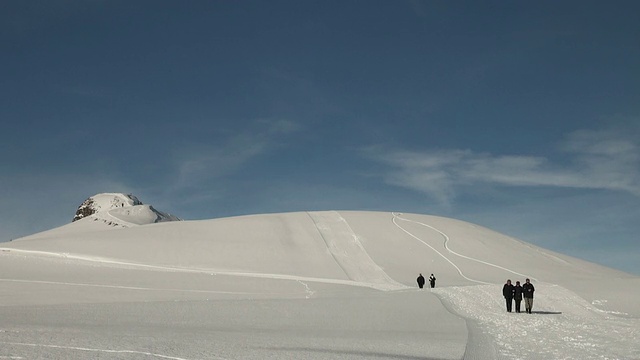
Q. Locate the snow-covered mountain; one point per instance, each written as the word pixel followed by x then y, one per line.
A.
pixel 116 209
pixel 304 285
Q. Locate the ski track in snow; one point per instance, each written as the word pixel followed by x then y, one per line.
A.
pixel 110 351
pixel 114 262
pixel 446 246
pixel 131 287
pixel 349 253
pixel 567 327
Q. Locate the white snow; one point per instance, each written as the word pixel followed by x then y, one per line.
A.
pixel 307 285
pixel 110 201
pixel 122 210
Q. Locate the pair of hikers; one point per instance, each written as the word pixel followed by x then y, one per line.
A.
pixel 516 292
pixel 432 281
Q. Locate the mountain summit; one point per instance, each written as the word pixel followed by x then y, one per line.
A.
pixel 119 209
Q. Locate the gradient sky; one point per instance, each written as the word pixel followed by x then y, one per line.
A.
pixel 520 116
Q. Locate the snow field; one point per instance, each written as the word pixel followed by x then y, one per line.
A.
pixel 345 325
pixel 318 285
pixel 562 326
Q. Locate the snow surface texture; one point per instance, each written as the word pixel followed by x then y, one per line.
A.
pixel 307 285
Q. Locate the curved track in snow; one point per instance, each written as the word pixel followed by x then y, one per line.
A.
pixel 396 216
pixel 563 325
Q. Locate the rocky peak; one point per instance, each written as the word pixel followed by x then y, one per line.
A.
pixel 120 209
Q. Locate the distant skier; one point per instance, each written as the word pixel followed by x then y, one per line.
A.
pixel 420 281
pixel 507 292
pixel 527 290
pixel 517 295
pixel 432 281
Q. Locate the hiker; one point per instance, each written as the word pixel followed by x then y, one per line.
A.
pixel 527 291
pixel 517 295
pixel 432 281
pixel 420 281
pixel 507 292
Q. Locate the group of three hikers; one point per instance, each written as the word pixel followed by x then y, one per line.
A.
pixel 516 292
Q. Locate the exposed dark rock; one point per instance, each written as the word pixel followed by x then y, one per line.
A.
pixel 84 210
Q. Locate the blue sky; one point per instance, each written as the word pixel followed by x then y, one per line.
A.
pixel 520 116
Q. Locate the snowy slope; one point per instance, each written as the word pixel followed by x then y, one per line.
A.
pixel 313 285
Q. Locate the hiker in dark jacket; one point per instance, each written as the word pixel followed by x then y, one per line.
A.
pixel 517 295
pixel 420 281
pixel 507 292
pixel 527 291
pixel 432 281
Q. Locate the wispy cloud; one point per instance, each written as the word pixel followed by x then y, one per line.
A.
pixel 209 161
pixel 606 160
